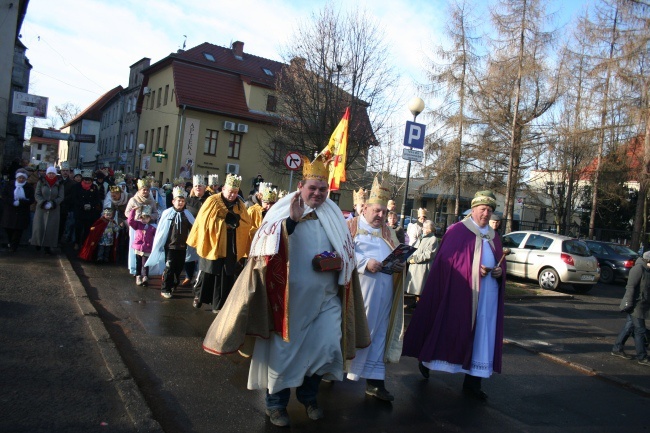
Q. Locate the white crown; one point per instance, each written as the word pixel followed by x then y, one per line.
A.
pixel 197 179
pixel 213 180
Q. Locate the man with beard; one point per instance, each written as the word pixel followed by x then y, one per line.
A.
pixel 221 236
pixel 309 322
pixel 382 293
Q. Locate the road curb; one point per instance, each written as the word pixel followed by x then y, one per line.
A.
pixel 133 400
pixel 583 369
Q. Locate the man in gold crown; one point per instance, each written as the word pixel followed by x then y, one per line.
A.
pixel 359 201
pixel 382 294
pixel 309 323
pixel 221 236
pixel 139 200
pixel 257 212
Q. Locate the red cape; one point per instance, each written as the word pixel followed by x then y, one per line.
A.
pixel 92 241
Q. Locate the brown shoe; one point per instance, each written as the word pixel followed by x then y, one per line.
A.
pixel 186 282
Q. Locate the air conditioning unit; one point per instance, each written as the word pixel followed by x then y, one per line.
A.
pixel 146 91
pixel 232 168
pixel 229 126
pixel 242 128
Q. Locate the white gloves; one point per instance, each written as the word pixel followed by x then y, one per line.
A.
pixel 16 203
pixel 48 205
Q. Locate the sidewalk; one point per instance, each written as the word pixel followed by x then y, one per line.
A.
pixel 60 370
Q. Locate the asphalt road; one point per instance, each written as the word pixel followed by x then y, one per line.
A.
pixel 557 374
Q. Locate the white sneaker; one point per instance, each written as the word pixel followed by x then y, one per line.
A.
pixel 166 295
pixel 138 280
pixel 145 280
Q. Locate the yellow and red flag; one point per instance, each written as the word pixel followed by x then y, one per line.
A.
pixel 336 151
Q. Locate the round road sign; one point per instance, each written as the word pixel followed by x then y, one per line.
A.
pixel 293 161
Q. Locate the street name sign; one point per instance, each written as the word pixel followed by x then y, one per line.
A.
pixel 412 155
pixel 414 135
pixel 56 135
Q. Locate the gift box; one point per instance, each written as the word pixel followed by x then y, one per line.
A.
pixel 326 261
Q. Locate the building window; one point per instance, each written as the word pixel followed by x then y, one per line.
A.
pixel 211 142
pixel 153 98
pixel 131 140
pixel 40 146
pixel 159 97
pixel 208 57
pixel 234 145
pixel 146 137
pixel 335 197
pixel 126 140
pixel 149 147
pixel 271 103
pixel 158 139
pixel 165 137
pixel 166 94
pixel 268 72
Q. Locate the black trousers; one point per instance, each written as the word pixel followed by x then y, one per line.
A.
pixel 214 288
pixel 174 261
pixel 14 236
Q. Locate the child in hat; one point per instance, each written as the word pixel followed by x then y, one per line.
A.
pixel 170 250
pixel 142 242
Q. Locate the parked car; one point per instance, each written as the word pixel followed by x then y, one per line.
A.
pixel 615 260
pixel 551 259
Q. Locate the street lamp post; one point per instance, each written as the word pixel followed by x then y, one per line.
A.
pixel 141 147
pixel 416 106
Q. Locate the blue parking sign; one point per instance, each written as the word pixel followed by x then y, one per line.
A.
pixel 414 135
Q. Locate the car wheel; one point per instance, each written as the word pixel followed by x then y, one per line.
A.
pixel 548 279
pixel 582 288
pixel 606 275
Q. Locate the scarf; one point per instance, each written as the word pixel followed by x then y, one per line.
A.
pixel 50 182
pixel 476 264
pixel 86 186
pixel 266 240
pixel 19 192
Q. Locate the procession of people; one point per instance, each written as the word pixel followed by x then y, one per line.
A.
pixel 337 313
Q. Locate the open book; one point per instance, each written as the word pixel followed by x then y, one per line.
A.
pixel 400 254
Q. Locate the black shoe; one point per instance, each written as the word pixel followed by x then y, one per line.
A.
pixel 197 303
pixel 314 412
pixel 380 393
pixel 278 417
pixel 476 393
pixel 423 370
pixel 48 251
pixel 38 248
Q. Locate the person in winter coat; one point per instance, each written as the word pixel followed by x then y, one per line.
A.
pixel 49 195
pixel 87 207
pixel 17 198
pixel 139 199
pixel 421 260
pixel 144 233
pixel 636 303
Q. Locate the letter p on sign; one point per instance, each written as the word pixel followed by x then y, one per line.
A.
pixel 414 135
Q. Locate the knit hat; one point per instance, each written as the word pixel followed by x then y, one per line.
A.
pixel 485 197
pixel 21 172
pixel 50 170
pixel 646 255
pixel 495 217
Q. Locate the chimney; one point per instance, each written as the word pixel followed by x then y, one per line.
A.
pixel 238 50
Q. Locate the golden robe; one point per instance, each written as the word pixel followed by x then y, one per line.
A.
pixel 208 234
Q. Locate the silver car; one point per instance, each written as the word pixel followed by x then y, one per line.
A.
pixel 551 259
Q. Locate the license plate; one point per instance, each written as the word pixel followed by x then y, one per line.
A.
pixel 587 278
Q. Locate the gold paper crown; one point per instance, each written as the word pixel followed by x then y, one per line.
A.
pixel 179 191
pixel 422 212
pixel 268 194
pixel 359 197
pixel 233 181
pixel 316 170
pixel 379 194
pixel 145 182
pixel 179 181
pixel 197 179
pixel 119 177
pixel 115 188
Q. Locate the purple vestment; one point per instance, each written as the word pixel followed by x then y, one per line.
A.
pixel 441 326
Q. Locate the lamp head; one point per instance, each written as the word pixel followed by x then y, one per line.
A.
pixel 416 106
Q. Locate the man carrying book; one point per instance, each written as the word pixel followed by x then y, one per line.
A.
pixel 383 296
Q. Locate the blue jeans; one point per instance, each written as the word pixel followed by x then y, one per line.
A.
pixel 305 393
pixel 637 327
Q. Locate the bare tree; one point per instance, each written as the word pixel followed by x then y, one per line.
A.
pixel 334 61
pixel 63 114
pixel 449 80
pixel 519 86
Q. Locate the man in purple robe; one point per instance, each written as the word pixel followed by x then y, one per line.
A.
pixel 458 325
